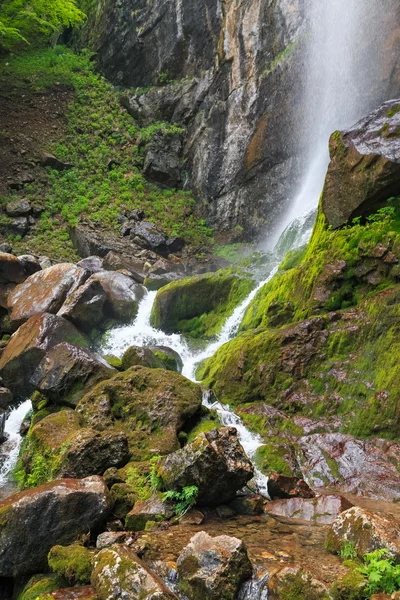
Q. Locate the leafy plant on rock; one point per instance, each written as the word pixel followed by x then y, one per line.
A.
pixel 381 572
pixel 184 500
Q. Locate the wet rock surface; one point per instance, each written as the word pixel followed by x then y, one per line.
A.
pixel 44 291
pixel 56 513
pixel 365 166
pixel 323 509
pixel 28 346
pixel 67 372
pixel 215 462
pixel 213 568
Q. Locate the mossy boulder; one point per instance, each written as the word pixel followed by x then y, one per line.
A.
pixel 41 584
pixel 169 357
pixel 198 306
pixel 57 446
pixel 213 568
pixel 366 531
pixel 34 521
pixel 155 509
pixel 143 357
pixel 119 573
pixel 150 406
pixel 67 372
pixel 72 563
pixel 214 462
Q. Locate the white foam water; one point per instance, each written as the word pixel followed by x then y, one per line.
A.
pixel 9 449
pixel 141 333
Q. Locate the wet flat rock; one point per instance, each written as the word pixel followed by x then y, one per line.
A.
pixel 323 509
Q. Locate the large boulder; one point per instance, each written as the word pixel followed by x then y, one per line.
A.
pixel 34 521
pixel 365 166
pixel 366 530
pixel 44 291
pixel 323 509
pixel 28 346
pixel 144 357
pixel 150 405
pixel 70 450
pixel 154 509
pixel 146 234
pixel 162 162
pixel 11 269
pixel 368 467
pixel 213 568
pixel 123 294
pixel 199 305
pixel 119 573
pixel 215 462
pixel 85 306
pixel 67 372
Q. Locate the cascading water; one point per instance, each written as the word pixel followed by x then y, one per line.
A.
pixel 141 333
pixel 343 73
pixel 9 450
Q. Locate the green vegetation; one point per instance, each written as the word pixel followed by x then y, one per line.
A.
pixel 381 572
pixel 348 551
pixel 41 584
pixel 199 306
pixel 36 21
pixel 73 563
pixel 280 59
pixel 299 587
pixel 106 150
pixel 271 458
pixel 183 500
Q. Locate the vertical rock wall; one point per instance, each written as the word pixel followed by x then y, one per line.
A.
pixel 237 87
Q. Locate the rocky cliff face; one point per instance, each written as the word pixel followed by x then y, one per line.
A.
pixel 230 73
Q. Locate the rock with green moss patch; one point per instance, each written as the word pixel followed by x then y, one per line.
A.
pixel 119 573
pixel 213 568
pixel 57 446
pixel 150 406
pixel 214 462
pixel 73 563
pixel 351 586
pixel 143 357
pixel 198 306
pixel 41 584
pixel 364 170
pixel 153 509
pixel 366 531
pixel 34 521
pixel 67 372
pixel 28 346
pixel 169 357
pixel 292 583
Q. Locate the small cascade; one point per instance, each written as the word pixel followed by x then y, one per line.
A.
pixel 9 450
pixel 141 333
pixel 256 588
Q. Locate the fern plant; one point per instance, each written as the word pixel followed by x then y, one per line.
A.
pixel 381 572
pixel 183 500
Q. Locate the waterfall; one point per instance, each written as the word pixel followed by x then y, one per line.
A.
pixel 343 82
pixel 9 449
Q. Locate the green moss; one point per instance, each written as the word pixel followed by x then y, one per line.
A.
pixel 114 361
pixel 271 458
pixel 73 563
pixel 41 584
pixel 205 425
pixel 350 587
pixel 198 306
pixel 299 587
pixel 106 148
pixel 168 360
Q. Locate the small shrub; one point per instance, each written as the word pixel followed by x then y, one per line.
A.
pixel 381 572
pixel 184 500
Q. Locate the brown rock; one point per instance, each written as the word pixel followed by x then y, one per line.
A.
pixel 153 509
pixel 44 291
pixel 84 592
pixel 28 346
pixel 365 166
pixel 282 486
pixel 11 269
pixel 67 372
pixel 85 306
pixel 34 521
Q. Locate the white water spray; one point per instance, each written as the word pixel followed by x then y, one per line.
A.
pixel 343 74
pixel 9 450
pixel 141 333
